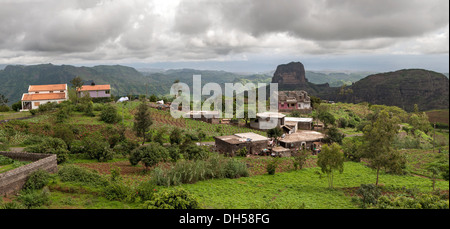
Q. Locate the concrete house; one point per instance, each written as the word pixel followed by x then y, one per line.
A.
pixel 95 91
pixel 204 116
pixel 293 100
pixel 229 145
pixel 267 120
pixel 42 94
pixel 302 139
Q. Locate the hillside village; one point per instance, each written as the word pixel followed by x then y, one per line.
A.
pixel 125 147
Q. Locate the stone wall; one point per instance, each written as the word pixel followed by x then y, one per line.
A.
pixel 12 181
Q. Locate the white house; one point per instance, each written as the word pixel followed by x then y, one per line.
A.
pixel 42 94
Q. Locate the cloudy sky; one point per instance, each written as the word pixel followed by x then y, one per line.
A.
pixel 232 35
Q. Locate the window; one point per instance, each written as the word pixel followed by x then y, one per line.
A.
pixel 107 92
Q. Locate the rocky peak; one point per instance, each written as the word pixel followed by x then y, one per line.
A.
pixel 288 75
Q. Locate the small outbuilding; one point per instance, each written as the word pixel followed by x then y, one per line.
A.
pixel 230 144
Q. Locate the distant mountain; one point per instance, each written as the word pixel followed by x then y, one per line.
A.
pixel 403 88
pixel 15 79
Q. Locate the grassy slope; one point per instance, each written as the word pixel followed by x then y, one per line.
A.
pixel 292 189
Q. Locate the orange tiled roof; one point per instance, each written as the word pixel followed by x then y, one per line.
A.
pixel 46 96
pixel 49 87
pixel 95 87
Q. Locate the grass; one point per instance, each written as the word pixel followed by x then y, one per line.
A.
pixel 13 115
pixel 298 189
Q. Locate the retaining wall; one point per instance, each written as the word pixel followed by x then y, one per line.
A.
pixel 12 181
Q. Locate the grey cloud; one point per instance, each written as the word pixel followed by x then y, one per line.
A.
pixel 331 19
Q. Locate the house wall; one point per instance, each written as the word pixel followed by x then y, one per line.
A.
pixel 231 149
pixel 33 103
pixel 99 94
pixel 304 125
pixel 297 145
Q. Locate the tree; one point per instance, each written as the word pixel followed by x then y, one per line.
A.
pixel 333 135
pixel 331 159
pixel 142 120
pixel 109 114
pixel 3 100
pixel 300 159
pixel 77 82
pixel 377 141
pixel 420 122
pixel 175 136
pixel 327 118
pixel 275 133
pixel 150 155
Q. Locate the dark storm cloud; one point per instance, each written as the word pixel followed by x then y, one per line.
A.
pixel 327 19
pixel 161 30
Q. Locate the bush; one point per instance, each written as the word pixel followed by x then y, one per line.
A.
pixel 73 173
pixel 242 152
pixel 150 155
pixel 146 190
pixel 5 160
pixel 37 180
pixel 116 191
pixel 109 114
pixel 51 146
pixel 173 199
pixel 369 194
pixel 343 123
pixel 97 148
pixel 4 108
pixel 34 198
pixel 192 171
pixel 421 201
pixel 300 159
pixel 194 152
pixel 272 166
pixel 235 169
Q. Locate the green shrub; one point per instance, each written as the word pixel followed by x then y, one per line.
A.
pixel 109 114
pixel 34 198
pixel 37 180
pixel 192 171
pixel 5 160
pixel 97 148
pixel 146 190
pixel 173 199
pixel 4 108
pixel 51 146
pixel 300 159
pixel 116 191
pixel 73 173
pixel 235 169
pixel 369 194
pixel 150 155
pixel 420 201
pixel 195 152
pixel 272 166
pixel 242 152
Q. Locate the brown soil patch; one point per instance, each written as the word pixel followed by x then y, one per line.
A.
pixel 105 168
